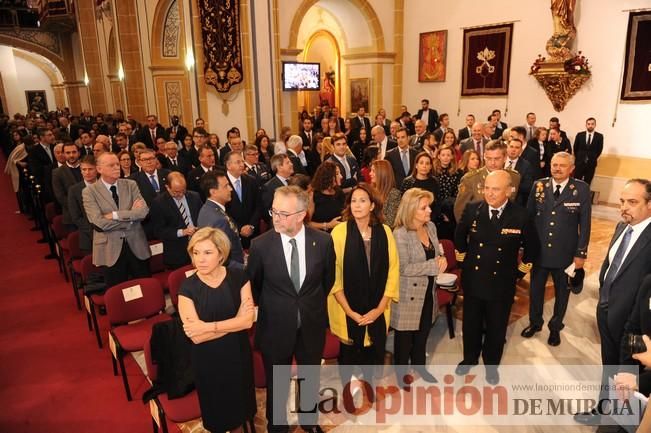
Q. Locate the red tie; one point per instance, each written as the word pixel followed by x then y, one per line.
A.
pixel 153 135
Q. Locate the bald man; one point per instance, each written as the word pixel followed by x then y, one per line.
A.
pixel 488 238
pixel 174 215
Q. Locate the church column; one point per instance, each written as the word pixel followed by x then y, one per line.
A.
pixel 87 25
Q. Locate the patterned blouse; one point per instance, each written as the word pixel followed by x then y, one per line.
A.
pixel 390 208
pixel 449 183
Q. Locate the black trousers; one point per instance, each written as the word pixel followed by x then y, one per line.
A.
pixel 610 349
pixel 126 268
pixel 276 408
pixel 585 172
pixel 562 295
pixel 494 314
pixel 410 346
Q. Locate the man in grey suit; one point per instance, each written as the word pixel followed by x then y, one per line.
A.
pixel 76 204
pixel 64 177
pixel 218 191
pixel 476 141
pixel 115 208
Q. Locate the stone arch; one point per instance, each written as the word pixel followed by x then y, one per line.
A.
pixel 168 34
pixel 372 20
pixel 65 69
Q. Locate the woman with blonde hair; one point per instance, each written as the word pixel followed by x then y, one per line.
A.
pixel 216 307
pixel 421 260
pixel 327 149
pixel 383 180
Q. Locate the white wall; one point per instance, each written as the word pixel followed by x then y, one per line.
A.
pixel 19 75
pixel 601 29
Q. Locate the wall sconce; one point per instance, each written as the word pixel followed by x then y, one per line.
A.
pixel 189 60
pixel 120 73
pixel 86 80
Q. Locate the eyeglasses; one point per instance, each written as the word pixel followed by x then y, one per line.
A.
pixel 147 159
pixel 283 215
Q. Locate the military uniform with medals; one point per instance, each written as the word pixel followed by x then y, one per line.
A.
pixel 487 249
pixel 471 188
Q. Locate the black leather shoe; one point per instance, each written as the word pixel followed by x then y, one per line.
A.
pixel 426 375
pixel 463 369
pixel 554 338
pixel 530 331
pixel 588 418
pixel 492 375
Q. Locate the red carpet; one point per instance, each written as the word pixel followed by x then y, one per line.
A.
pixel 53 377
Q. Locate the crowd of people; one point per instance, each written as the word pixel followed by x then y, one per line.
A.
pixel 336 226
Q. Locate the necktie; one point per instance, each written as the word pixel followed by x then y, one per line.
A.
pixel 294 268
pixel 510 166
pixel 478 147
pixel 238 189
pixel 153 135
pixel 49 152
pixel 405 161
pixel 154 182
pixel 494 215
pixel 174 162
pixel 589 140
pixel 114 193
pixel 557 193
pixel 344 162
pixel 89 151
pixel 530 132
pixel 309 137
pixel 184 214
pixel 615 265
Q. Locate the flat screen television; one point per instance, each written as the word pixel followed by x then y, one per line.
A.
pixel 301 76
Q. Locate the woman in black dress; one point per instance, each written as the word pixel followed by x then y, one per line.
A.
pixel 448 177
pixel 216 307
pixel 327 198
pixel 421 177
pixel 360 145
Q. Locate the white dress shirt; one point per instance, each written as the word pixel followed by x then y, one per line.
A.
pixel 498 209
pixel 562 184
pixel 287 250
pixel 637 231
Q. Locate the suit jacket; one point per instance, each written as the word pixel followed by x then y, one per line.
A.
pixel 279 304
pixel 355 174
pixel 417 142
pixel 220 154
pixel 563 146
pixel 356 125
pixel 415 271
pixel 181 165
pixel 181 132
pixel 193 180
pixel 246 211
pixel 469 144
pixel 145 136
pixel 85 152
pixel 438 133
pixel 639 322
pixel 489 251
pixel 527 176
pixel 464 133
pixel 109 235
pixel 624 289
pixel 78 216
pixel 62 181
pixel 259 172
pixel 144 183
pixel 563 225
pixel 308 143
pixel 585 155
pixel 531 153
pixel 190 156
pixel 40 166
pixel 432 119
pixel 268 190
pixel 393 156
pixel 211 215
pixel 166 220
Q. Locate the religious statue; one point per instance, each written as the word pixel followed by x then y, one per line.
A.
pixel 327 93
pixel 558 46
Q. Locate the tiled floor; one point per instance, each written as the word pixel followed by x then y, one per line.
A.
pixel 580 342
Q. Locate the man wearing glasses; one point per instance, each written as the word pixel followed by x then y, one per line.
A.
pixel 292 269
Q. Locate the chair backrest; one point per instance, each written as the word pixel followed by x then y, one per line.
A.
pixel 152 369
pixel 73 246
pixel 156 264
pixel 50 211
pixel 144 300
pixel 448 250
pixel 87 267
pixel 58 228
pixel 174 281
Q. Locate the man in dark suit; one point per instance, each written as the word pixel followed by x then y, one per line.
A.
pixel 444 124
pixel 76 204
pixel 151 132
pixel 530 152
pixel 383 142
pixel 87 143
pixel 40 160
pixel 307 134
pixel 560 208
pixel 292 269
pixel 514 161
pixel 64 177
pixel 217 188
pixel 488 239
pixel 151 181
pixel 588 146
pixel 428 115
pixel 301 158
pixel 417 140
pixel 347 164
pixel 243 206
pixel 358 122
pixel 334 113
pixel 233 142
pixel 476 141
pixel 530 127
pixel 174 216
pixel 172 161
pixel 500 125
pixel 253 167
pixel 177 129
pixel 627 263
pixel 284 169
pixel 401 157
pixel 467 131
pixel 206 164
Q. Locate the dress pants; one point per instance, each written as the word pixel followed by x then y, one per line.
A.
pixel 276 409
pixel 126 268
pixel 585 172
pixel 494 314
pixel 412 345
pixel 561 292
pixel 610 349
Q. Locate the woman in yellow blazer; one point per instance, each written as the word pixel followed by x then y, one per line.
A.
pixel 366 282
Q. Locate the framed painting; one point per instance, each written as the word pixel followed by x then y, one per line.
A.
pixel 432 53
pixel 36 101
pixel 636 85
pixel 360 90
pixel 486 60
